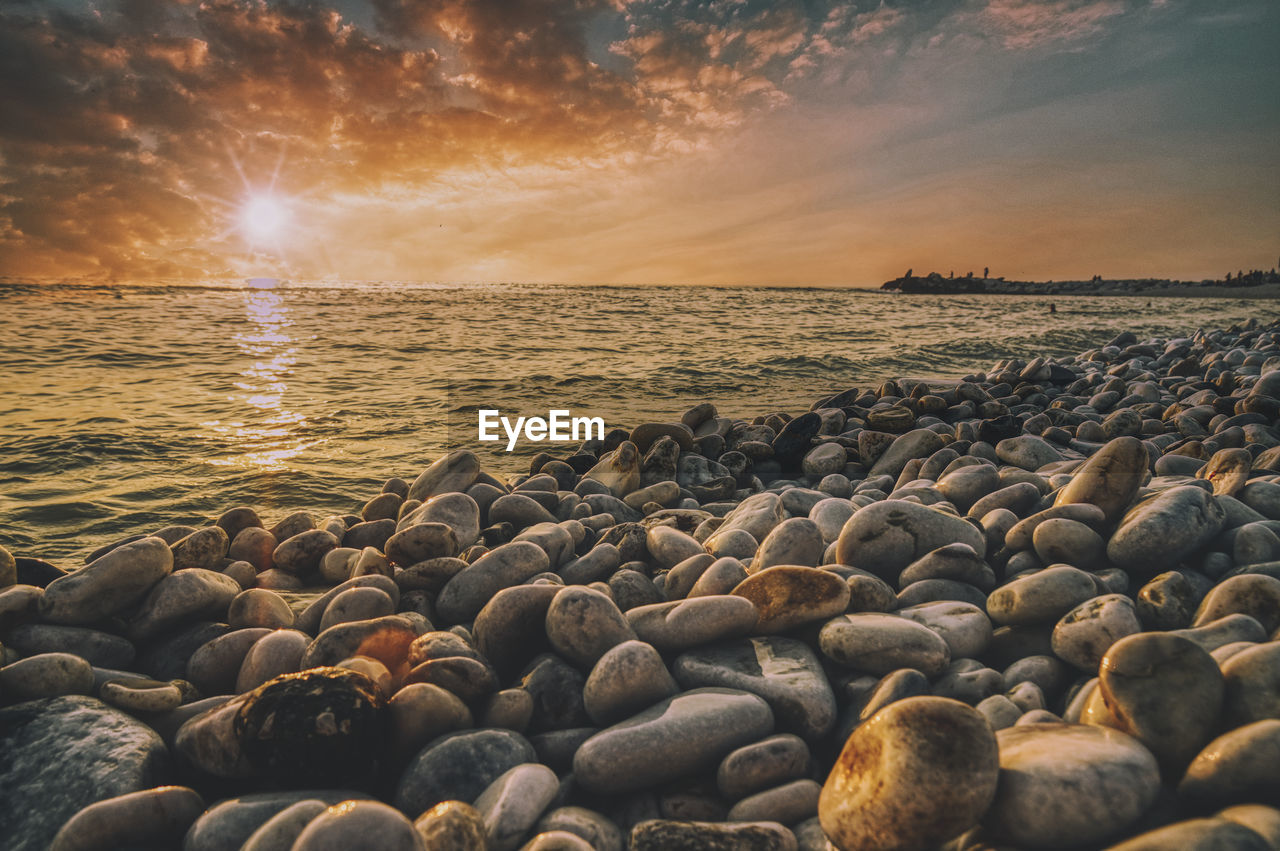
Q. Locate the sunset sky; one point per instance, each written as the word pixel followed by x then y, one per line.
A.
pixel 654 141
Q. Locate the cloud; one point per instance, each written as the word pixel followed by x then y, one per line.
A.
pixel 131 130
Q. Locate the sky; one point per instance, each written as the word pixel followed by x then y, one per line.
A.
pixel 638 141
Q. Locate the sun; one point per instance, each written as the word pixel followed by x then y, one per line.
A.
pixel 263 218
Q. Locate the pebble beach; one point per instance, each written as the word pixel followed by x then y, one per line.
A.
pixel 1032 607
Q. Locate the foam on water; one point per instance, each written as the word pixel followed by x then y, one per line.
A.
pixel 129 408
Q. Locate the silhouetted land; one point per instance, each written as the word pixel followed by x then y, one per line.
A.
pixel 1253 284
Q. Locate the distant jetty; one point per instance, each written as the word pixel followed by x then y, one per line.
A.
pixel 1240 285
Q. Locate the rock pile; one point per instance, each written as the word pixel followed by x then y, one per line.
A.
pixel 1035 608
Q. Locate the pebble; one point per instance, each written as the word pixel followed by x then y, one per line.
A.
pixel 1109 479
pixel 94 646
pixel 627 678
pixel 459 766
pixel 787 597
pixel 680 624
pixel 157 816
pixel 879 644
pixel 257 607
pixel 109 585
pixel 796 541
pixel 46 675
pixel 453 825
pixel 1085 633
pixel 683 734
pixel 887 536
pixel 1203 834
pixel 228 824
pixel 783 671
pixel 919 772
pixel 660 835
pixel 465 594
pixel 1069 780
pixel 141 695
pixel 278 652
pixel 301 554
pixel 1241 766
pixel 583 624
pixel 359 824
pixel 1165 528
pixel 514 802
pixel 193 594
pixel 1255 595
pixel 279 832
pixel 1251 684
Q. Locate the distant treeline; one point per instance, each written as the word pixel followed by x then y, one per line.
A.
pixel 936 283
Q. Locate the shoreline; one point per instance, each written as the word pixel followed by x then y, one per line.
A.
pixel 581 649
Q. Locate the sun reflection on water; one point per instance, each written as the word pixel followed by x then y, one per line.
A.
pixel 268 434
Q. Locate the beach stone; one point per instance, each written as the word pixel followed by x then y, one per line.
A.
pixel 886 536
pixel 1227 470
pixel 1255 595
pixel 308 619
pixel 108 585
pixel 94 646
pixel 879 644
pixel 323 725
pixel 957 562
pixel 1261 819
pixel 1021 535
pixel 823 460
pixel 966 485
pixel 421 712
pixel 192 594
pixel 254 545
pixel 1252 685
pixel 1224 631
pixel 459 766
pixel 683 734
pixel 660 835
pixel 514 802
pixel 796 541
pixel 736 544
pixel 228 825
pixel 583 624
pixel 357 604
pixel 1063 785
pixel 359 824
pixel 386 639
pixel 459 511
pixel 1085 633
pixel 519 510
pixel 257 607
pixel 279 832
pixel 787 804
pixel 203 548
pixel 371 534
pixel 63 754
pixel 1165 691
pixel 756 515
pixel 681 624
pixel 46 675
pixel 1202 834
pixel 1063 541
pixel 1165 528
pixel 278 652
pixel 1240 766
pixel 830 515
pixel 466 593
pixel 762 765
pixel 629 677
pixel 302 553
pixel 511 628
pixel 141 695
pixel 964 627
pixel 8 568
pixel 681 578
pixel 919 772
pixel 420 542
pixel 1168 601
pixel 1027 452
pixel 450 473
pixel 294 524
pixel 555 539
pixel 918 443
pixel 783 671
pixel 594 828
pixel 149 817
pixel 455 825
pixel 788 596
pixel 1041 597
pixel 669 547
pixel 1109 479
pixel 720 577
pixel 618 470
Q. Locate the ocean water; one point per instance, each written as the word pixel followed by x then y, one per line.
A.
pixel 127 408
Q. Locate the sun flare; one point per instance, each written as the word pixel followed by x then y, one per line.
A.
pixel 263 218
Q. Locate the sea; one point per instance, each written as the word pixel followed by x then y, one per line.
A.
pixel 126 408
